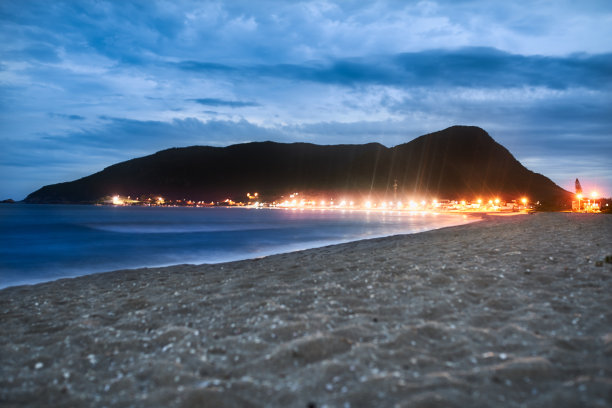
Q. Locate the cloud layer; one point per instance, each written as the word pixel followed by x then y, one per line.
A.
pixel 86 84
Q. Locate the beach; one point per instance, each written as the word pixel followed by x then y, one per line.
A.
pixel 508 311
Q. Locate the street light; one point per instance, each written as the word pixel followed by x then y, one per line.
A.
pixel 579 197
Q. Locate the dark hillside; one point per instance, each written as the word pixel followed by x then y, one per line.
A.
pixel 460 162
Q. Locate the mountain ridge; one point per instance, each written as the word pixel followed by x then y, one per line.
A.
pixel 459 162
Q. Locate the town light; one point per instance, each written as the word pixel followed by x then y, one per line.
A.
pixel 595 204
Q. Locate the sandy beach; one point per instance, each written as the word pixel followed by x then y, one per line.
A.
pixel 510 311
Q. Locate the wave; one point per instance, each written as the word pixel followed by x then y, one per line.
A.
pixel 176 228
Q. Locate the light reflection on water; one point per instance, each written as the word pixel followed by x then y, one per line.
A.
pixel 46 242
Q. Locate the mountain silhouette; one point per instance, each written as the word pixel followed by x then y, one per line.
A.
pixel 461 162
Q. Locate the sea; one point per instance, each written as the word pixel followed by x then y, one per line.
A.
pixel 41 243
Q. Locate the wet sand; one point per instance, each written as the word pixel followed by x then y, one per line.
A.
pixel 510 311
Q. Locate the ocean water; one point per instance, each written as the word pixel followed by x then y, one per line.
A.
pixel 45 242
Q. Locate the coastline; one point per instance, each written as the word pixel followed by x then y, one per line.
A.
pixel 85 237
pixel 510 310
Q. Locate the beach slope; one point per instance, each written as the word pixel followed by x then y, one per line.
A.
pixel 510 311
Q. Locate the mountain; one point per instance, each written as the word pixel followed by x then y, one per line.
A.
pixel 461 162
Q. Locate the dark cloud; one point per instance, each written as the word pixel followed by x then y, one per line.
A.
pixel 64 116
pixel 204 67
pixel 466 67
pixel 223 102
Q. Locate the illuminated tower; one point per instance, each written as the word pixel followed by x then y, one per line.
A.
pixel 578 194
pixel 578 187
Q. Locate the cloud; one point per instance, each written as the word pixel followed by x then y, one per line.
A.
pixel 223 102
pixel 198 66
pixel 465 67
pixel 64 116
pixel 131 32
pixel 486 67
pixel 125 79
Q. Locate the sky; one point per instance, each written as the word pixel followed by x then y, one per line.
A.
pixel 86 84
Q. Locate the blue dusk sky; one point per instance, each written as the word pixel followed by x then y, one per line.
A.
pixel 86 84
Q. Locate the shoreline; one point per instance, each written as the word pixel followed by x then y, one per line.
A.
pixel 475 216
pixel 512 310
pixel 287 248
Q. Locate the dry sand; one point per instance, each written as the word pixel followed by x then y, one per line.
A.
pixel 511 311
